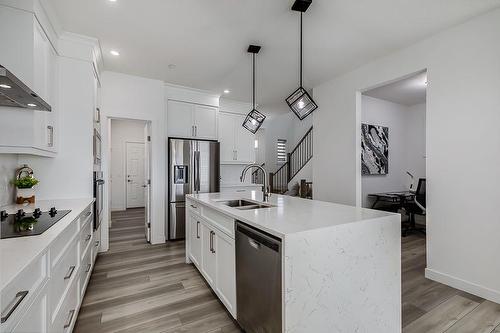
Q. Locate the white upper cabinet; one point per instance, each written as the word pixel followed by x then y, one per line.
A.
pixel 187 120
pixel 236 143
pixel 29 55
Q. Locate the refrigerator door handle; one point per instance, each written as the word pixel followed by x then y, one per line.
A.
pixel 197 171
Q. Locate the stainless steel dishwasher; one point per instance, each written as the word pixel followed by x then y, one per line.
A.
pixel 258 280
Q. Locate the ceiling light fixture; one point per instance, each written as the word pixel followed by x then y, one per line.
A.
pixel 115 53
pixel 254 119
pixel 300 101
pixel 31 105
pixel 227 91
pixel 5 86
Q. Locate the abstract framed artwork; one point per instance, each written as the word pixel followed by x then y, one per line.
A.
pixel 374 150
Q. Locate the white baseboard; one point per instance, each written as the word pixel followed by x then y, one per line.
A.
pixel 471 288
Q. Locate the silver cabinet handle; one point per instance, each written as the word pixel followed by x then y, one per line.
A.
pixel 96 243
pixel 195 130
pixel 198 229
pixel 193 206
pixel 192 130
pixel 212 234
pixel 88 268
pixel 70 272
pixel 18 299
pixel 70 319
pixel 88 238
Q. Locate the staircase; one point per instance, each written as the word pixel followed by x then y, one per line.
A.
pixel 296 160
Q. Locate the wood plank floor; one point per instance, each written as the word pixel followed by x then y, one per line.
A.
pixel 137 287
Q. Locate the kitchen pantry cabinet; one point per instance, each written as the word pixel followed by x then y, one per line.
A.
pixel 237 145
pixel 210 247
pixel 47 294
pixel 187 120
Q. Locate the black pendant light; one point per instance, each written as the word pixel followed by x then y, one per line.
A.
pixel 254 119
pixel 300 101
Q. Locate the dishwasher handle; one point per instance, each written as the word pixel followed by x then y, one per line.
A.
pixel 258 238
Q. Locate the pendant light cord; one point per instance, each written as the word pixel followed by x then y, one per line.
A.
pixel 253 80
pixel 301 49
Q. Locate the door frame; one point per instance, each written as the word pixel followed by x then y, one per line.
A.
pixel 125 166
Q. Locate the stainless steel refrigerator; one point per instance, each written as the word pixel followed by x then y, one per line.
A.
pixel 194 167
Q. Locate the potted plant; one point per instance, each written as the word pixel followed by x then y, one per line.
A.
pixel 25 190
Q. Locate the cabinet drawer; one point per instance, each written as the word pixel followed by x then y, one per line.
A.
pixel 85 239
pixel 193 206
pixel 57 248
pixel 85 271
pixel 96 242
pixel 17 295
pixel 221 221
pixel 35 318
pixel 86 214
pixel 65 318
pixel 63 275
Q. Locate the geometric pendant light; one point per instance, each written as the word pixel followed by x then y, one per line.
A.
pixel 254 119
pixel 300 101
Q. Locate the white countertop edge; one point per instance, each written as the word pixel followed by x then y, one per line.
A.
pixel 233 213
pixel 17 253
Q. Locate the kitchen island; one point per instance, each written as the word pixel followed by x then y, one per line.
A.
pixel 340 265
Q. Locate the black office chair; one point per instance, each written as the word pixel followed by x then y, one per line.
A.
pixel 416 207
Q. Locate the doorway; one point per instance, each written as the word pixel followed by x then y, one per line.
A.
pixel 130 163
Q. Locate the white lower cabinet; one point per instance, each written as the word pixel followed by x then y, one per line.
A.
pixel 225 284
pixel 208 259
pixel 212 250
pixel 46 295
pixel 195 239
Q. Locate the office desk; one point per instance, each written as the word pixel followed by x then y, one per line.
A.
pixel 395 198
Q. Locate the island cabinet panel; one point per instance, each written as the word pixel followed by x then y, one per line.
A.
pixel 195 242
pixel 225 283
pixel 208 258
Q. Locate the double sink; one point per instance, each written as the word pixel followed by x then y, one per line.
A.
pixel 242 204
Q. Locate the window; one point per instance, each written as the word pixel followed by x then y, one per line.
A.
pixel 281 151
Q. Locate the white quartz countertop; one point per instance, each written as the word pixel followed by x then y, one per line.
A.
pixel 17 253
pixel 290 214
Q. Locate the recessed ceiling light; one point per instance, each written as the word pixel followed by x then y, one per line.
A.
pixel 31 105
pixel 114 52
pixel 227 91
pixel 112 0
pixel 172 66
pixel 5 86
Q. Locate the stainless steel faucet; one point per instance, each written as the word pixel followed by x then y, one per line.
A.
pixel 265 188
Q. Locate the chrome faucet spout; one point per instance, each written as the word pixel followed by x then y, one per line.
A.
pixel 265 188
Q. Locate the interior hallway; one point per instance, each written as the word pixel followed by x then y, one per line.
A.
pixel 138 287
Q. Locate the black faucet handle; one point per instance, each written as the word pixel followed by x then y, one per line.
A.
pixel 20 214
pixel 3 215
pixel 53 211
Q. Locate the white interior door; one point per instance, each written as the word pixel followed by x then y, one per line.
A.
pixel 135 174
pixel 147 180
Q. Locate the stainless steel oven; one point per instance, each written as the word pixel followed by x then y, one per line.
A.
pixel 97 150
pixel 99 199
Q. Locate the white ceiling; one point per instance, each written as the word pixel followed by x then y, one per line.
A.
pixel 408 91
pixel 207 39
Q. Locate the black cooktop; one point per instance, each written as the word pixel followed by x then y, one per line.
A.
pixel 28 224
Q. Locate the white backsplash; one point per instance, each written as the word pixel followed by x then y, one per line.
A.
pixel 230 174
pixel 8 166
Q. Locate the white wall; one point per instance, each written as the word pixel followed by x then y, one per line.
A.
pixel 8 166
pixel 406 144
pixel 463 66
pixel 132 97
pixel 122 131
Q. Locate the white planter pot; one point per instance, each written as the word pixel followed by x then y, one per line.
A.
pixel 25 195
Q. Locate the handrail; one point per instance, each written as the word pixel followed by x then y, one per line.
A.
pixel 296 160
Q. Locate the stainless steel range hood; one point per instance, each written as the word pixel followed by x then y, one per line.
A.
pixel 14 93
